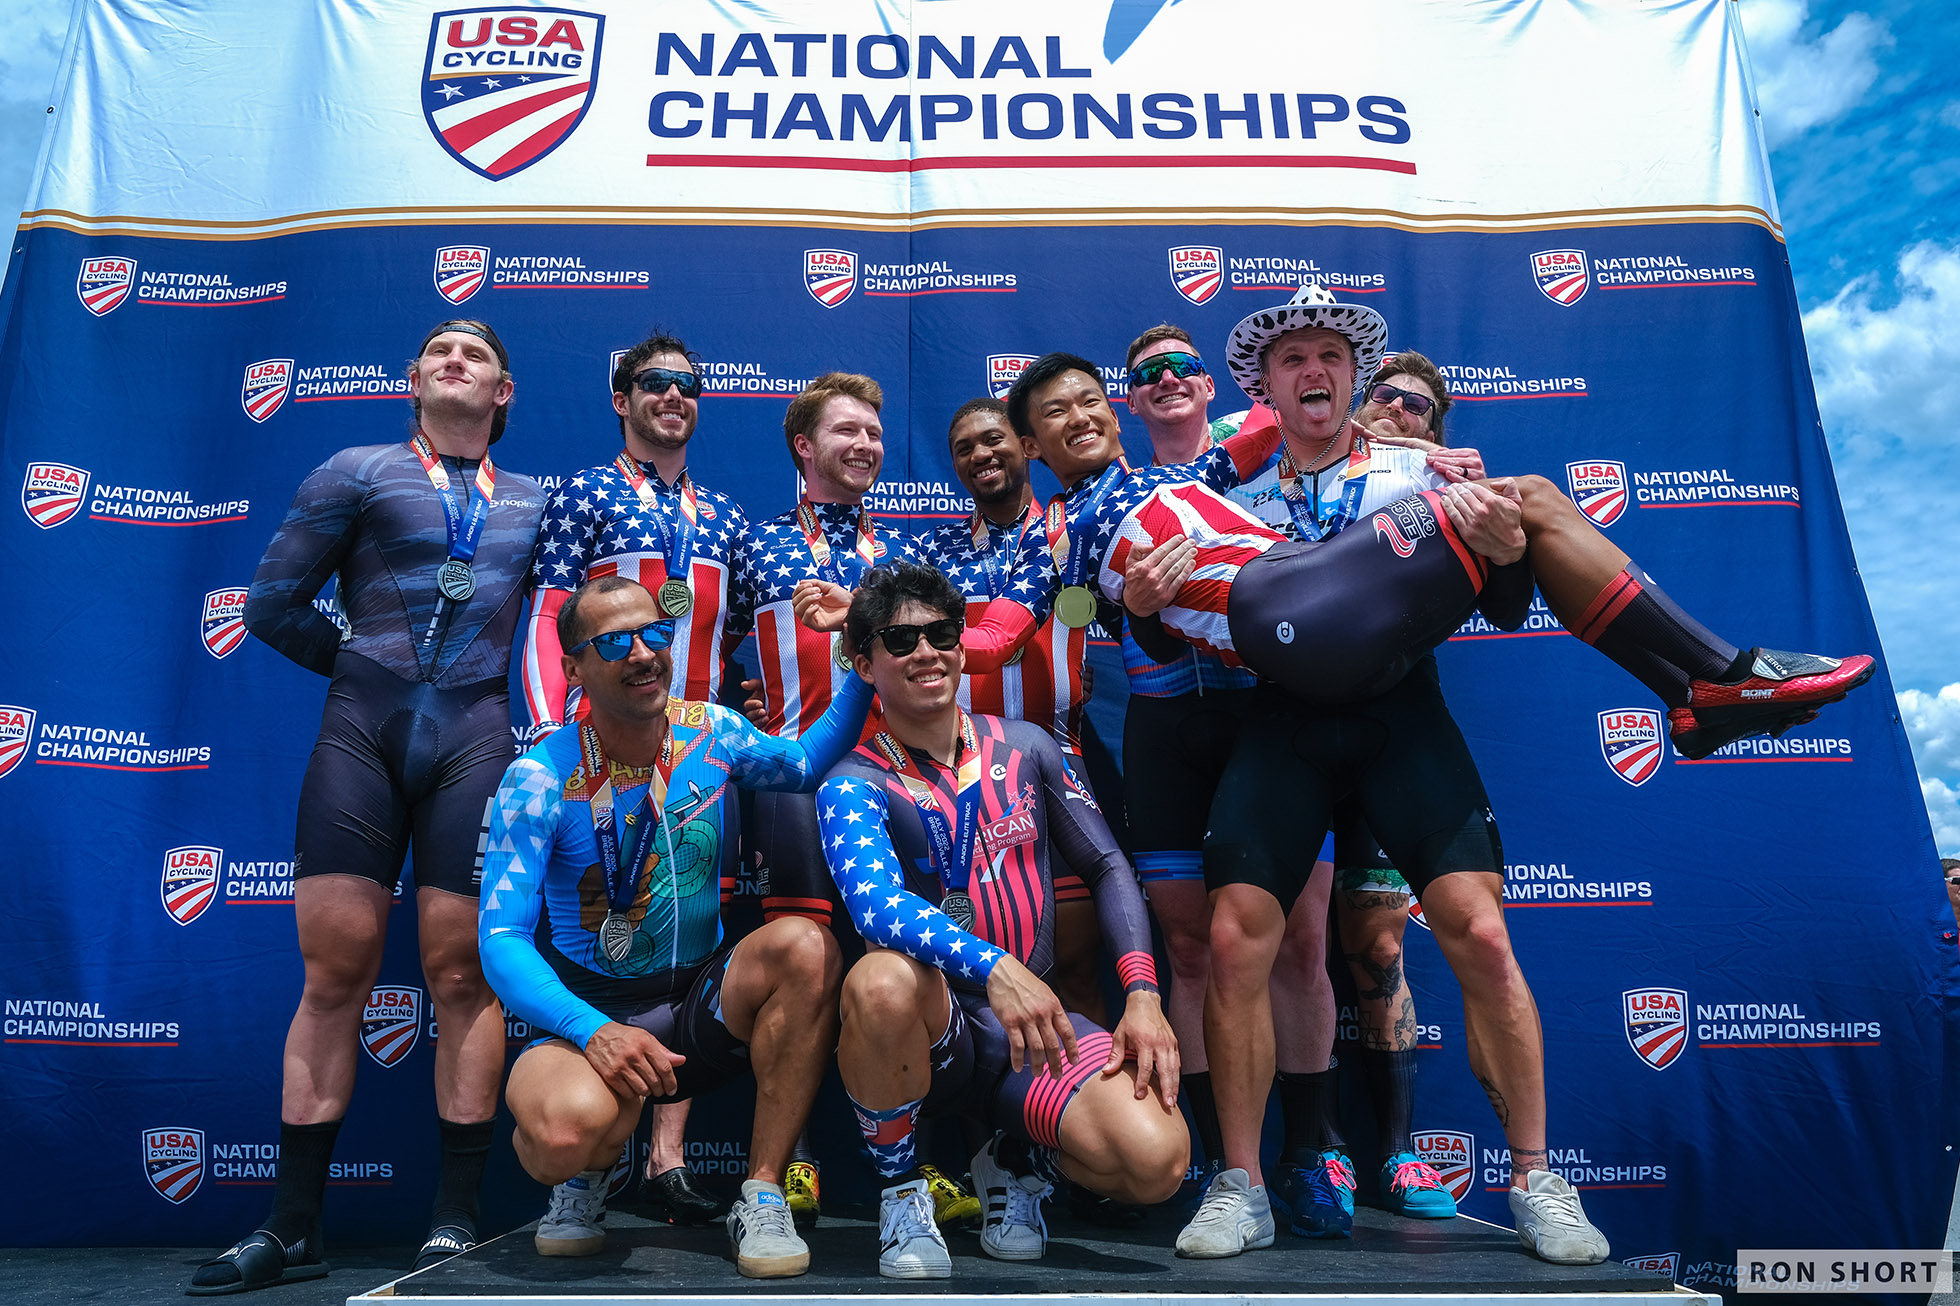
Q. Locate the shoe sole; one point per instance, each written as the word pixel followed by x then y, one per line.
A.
pixel 1723 726
pixel 293 1274
pixel 915 1271
pixel 1011 1254
pixel 1587 1259
pixel 1257 1244
pixel 1410 1213
pixel 773 1267
pixel 1830 687
pixel 569 1246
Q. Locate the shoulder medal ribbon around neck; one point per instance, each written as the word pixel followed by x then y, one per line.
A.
pixel 455 580
pixel 1075 602
pixel 952 827
pixel 1304 504
pixel 675 595
pixel 623 868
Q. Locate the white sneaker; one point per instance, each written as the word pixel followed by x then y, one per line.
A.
pixel 910 1245
pixel 762 1234
pixel 1012 1227
pixel 575 1222
pixel 1234 1216
pixel 1551 1223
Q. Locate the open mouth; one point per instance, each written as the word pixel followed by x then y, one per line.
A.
pixel 1317 402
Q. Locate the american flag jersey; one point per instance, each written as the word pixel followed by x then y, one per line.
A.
pixel 595 525
pixel 799 673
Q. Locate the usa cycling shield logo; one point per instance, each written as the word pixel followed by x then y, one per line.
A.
pixel 1657 1024
pixel 222 626
pixel 266 385
pixel 503 88
pixel 1667 1263
pixel 1599 489
pixel 1560 275
pixel 52 493
pixel 1415 914
pixel 1630 739
pixel 1003 370
pixel 104 283
pixel 173 1162
pixel 460 271
pixel 16 734
pixel 1197 271
pixel 830 275
pixel 1451 1155
pixel 190 881
pixel 391 1022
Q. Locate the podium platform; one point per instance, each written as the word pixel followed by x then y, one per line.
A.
pixel 1388 1261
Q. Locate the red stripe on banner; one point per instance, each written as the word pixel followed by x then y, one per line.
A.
pixel 1491 399
pixel 953 290
pixel 1844 1043
pixel 1730 503
pixel 1737 761
pixel 208 521
pixel 535 144
pixel 89 1043
pixel 564 285
pixel 1362 162
pixel 1288 287
pixel 227 303
pixel 104 766
pixel 1677 285
pixel 484 125
pixel 1590 902
pixel 334 399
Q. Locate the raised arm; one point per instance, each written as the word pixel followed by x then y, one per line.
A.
pixel 762 761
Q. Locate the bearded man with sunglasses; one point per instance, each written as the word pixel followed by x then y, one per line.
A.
pixel 939 833
pixel 609 831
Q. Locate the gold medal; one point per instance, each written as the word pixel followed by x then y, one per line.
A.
pixel 839 655
pixel 1075 606
pixel 675 598
pixel 1014 658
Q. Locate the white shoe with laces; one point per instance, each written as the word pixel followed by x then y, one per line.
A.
pixel 1551 1223
pixel 762 1234
pixel 1013 1228
pixel 1235 1216
pixel 575 1222
pixel 910 1245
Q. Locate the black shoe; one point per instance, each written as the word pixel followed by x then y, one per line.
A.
pixel 257 1260
pixel 442 1243
pixel 674 1196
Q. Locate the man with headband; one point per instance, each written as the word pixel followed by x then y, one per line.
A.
pixel 430 542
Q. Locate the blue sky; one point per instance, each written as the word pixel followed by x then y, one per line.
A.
pixel 1861 108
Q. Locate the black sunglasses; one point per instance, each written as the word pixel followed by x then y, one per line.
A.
pixel 1176 362
pixel 655 380
pixel 1413 404
pixel 943 634
pixel 614 645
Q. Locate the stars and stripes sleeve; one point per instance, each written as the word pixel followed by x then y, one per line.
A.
pixel 523 823
pixel 1082 838
pixel 307 549
pixel 851 815
pixel 763 761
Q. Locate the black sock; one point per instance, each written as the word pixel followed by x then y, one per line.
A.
pixel 1306 1113
pixel 301 1184
pixel 802 1152
pixel 1637 625
pixel 465 1151
pixel 1196 1091
pixel 1392 1087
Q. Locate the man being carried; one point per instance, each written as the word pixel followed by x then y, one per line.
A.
pixel 938 834
pixel 613 831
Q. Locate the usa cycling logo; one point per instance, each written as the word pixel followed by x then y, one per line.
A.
pixel 830 275
pixel 190 881
pixel 391 1022
pixel 52 493
pixel 1630 739
pixel 1560 275
pixel 1657 1024
pixel 1451 1155
pixel 460 271
pixel 1665 1263
pixel 104 283
pixel 503 88
pixel 267 383
pixel 1197 271
pixel 1599 489
pixel 16 733
pixel 1003 370
pixel 173 1161
pixel 222 626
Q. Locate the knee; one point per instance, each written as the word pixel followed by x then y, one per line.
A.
pixel 562 1133
pixel 1480 943
pixel 1383 951
pixel 1155 1157
pixel 1190 953
pixel 804 958
pixel 456 981
pixel 1303 948
pixel 1243 943
pixel 1544 502
pixel 336 983
pixel 882 994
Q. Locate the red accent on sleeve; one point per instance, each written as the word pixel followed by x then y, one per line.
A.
pixel 544 671
pixel 1003 627
pixel 1136 969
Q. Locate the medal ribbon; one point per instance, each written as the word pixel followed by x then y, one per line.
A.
pixel 1304 512
pixel 600 776
pixel 867 544
pixel 985 549
pixel 464 532
pixel 950 834
pixel 676 534
pixel 1070 561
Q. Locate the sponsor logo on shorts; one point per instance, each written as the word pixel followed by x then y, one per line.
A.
pixel 1667 1263
pixel 222 625
pixel 1451 1155
pixel 1404 524
pixel 830 275
pixel 1630 740
pixel 104 283
pixel 173 1161
pixel 503 88
pixel 1003 370
pixel 16 732
pixel 190 880
pixel 1656 1024
pixel 1197 271
pixel 266 385
pixel 391 1022
pixel 1560 275
pixel 460 271
pixel 1599 489
pixel 52 493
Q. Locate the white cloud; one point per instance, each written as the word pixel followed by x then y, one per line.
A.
pixel 1943 806
pixel 1806 79
pixel 1932 723
pixel 1890 376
